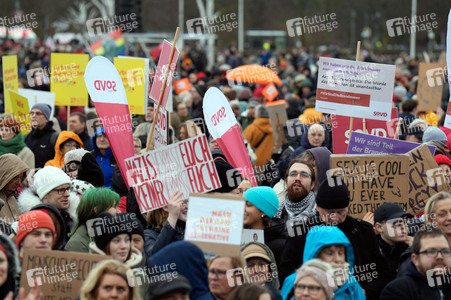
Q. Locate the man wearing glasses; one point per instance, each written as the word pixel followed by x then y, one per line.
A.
pixel 42 138
pixel 428 276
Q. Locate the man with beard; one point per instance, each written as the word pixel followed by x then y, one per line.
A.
pixel 299 201
pixel 332 205
pixel 428 275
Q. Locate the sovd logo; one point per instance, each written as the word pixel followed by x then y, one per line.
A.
pixel 220 114
pixel 102 85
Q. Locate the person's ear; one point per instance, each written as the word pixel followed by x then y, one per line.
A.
pixel 378 228
pixel 165 208
pixel 313 185
pixel 95 210
pixel 415 259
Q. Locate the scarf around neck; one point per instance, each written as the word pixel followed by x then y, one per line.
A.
pixel 14 145
pixel 303 209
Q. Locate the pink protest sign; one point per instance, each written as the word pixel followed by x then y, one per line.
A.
pixel 161 72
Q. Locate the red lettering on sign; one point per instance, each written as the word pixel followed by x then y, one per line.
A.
pixel 102 85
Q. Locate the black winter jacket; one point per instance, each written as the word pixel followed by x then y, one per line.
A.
pixel 41 144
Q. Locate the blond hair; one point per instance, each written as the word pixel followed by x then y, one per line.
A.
pixel 429 213
pixel 91 285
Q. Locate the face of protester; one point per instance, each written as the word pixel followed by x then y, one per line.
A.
pixel 213 145
pixel 217 279
pixel 413 139
pixel 102 142
pixel 182 110
pixel 196 95
pixel 316 137
pixel 113 286
pixel 150 113
pixel 442 215
pixel 69 145
pixel 137 147
pixel 113 210
pixel 397 226
pixel 3 268
pixel 41 238
pixel 120 246
pixel 299 182
pixel 333 254
pixel 236 110
pixel 38 120
pixel 138 242
pixel 75 125
pixel 308 288
pixel 252 216
pixel 7 133
pixel 244 186
pixel 58 197
pixel 424 262
pixel 184 211
pixel 446 171
pixel 258 269
pixel 333 216
pixel 13 184
pixel 183 133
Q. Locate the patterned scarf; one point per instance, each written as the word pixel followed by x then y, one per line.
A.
pixel 303 209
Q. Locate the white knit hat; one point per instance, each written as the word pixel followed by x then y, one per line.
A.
pixel 49 178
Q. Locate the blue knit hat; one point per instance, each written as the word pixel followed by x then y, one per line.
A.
pixel 264 198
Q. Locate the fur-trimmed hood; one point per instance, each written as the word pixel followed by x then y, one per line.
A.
pixel 29 199
pixel 133 262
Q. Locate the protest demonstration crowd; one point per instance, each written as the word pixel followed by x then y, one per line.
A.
pixel 283 174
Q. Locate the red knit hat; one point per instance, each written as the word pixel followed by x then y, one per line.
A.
pixel 441 159
pixel 30 221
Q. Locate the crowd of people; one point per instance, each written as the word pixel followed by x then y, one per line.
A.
pixel 58 178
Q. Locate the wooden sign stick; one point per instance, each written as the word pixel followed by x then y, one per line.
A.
pixel 397 129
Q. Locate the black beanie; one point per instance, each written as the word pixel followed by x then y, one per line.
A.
pixel 229 177
pixel 107 227
pixel 201 89
pixel 332 194
pixel 138 228
pixel 90 171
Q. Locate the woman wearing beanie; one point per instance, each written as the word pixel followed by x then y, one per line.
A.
pixel 261 206
pixel 12 141
pixel 67 140
pixel 93 203
pixel 166 224
pixel 314 281
pixel 331 245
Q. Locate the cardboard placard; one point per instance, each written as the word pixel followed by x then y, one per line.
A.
pixel 278 117
pixel 369 144
pixel 59 273
pixel 66 78
pixel 431 78
pixel 215 223
pixel 35 97
pixel 21 111
pixel 186 166
pixel 371 180
pixel 355 89
pixel 340 129
pixel 134 72
pixel 270 91
pixel 10 79
pixel 161 72
pixel 425 179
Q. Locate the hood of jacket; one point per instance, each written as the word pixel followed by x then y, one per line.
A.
pixel 63 235
pixel 272 264
pixel 58 160
pixel 10 167
pixel 133 262
pixel 189 261
pixel 29 198
pixel 264 124
pixel 13 266
pixel 322 158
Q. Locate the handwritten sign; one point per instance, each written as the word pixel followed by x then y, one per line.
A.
pixel 368 144
pixel 160 134
pixel 371 180
pixel 355 89
pixel 341 133
pixel 186 166
pixel 278 117
pixel 425 179
pixel 10 79
pixel 215 222
pixel 21 111
pixel 431 78
pixel 66 79
pixel 59 273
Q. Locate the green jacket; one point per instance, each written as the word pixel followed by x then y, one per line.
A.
pixel 79 241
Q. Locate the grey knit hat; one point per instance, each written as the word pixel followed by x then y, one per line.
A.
pixel 322 272
pixel 434 134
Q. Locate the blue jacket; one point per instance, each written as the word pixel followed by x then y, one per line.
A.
pixel 322 237
pixel 106 161
pixel 190 262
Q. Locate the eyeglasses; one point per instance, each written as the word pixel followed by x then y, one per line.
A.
pixel 62 191
pixel 71 145
pixel 310 288
pixel 36 113
pixel 434 252
pixel 219 274
pixel 294 174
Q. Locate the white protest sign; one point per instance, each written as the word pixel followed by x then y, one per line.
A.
pixel 252 235
pixel 355 89
pixel 35 97
pixel 160 134
pixel 218 113
pixel 186 166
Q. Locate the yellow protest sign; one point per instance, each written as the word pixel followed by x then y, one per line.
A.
pixel 21 111
pixel 10 79
pixel 133 72
pixel 66 79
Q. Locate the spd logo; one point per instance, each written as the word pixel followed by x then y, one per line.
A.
pixel 102 85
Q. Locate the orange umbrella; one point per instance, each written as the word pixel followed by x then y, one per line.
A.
pixel 253 74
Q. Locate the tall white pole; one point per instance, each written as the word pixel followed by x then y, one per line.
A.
pixel 413 33
pixel 240 25
pixel 181 25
